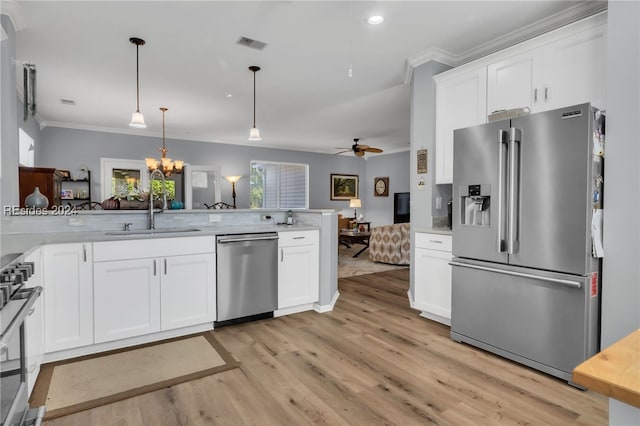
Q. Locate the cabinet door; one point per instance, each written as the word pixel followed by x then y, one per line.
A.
pixel 298 276
pixel 68 296
pixel 575 68
pixel 510 84
pixel 461 101
pixel 34 324
pixel 127 298
pixel 433 284
pixel 188 290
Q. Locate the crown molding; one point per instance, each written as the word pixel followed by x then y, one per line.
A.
pixel 431 54
pixel 12 10
pixel 568 16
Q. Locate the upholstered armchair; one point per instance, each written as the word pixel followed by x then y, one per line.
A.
pixel 390 244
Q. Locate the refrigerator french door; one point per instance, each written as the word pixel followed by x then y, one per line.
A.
pixel 524 282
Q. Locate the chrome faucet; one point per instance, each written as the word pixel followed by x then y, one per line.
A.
pixel 152 224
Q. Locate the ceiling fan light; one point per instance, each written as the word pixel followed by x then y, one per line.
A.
pixel 137 120
pixel 254 134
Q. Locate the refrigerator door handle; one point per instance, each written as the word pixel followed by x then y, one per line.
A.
pixel 503 140
pixel 515 136
pixel 568 283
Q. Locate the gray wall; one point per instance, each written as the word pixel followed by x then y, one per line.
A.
pixel 9 116
pixel 621 266
pixel 423 136
pixel 68 148
pixel 379 210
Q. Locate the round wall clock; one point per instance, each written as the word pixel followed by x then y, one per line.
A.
pixel 381 187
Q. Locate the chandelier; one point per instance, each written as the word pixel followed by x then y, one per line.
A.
pixel 166 165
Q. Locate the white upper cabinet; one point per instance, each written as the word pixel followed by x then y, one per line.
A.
pixel 461 101
pixel 564 72
pixel 576 70
pixel 510 83
pixel 561 68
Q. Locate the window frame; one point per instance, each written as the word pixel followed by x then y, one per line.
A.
pixel 283 163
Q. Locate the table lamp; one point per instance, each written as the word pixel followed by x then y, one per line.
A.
pixel 355 203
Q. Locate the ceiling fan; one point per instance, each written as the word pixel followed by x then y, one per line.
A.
pixel 359 150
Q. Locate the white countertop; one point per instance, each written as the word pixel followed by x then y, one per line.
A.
pixel 26 242
pixel 439 231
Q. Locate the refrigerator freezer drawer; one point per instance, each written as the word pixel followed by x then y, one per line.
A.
pixel 544 320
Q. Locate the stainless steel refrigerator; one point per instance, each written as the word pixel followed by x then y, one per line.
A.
pixel 525 284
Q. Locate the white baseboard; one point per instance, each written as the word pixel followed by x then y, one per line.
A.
pixel 412 302
pixel 434 317
pixel 123 343
pixel 327 308
pixel 293 310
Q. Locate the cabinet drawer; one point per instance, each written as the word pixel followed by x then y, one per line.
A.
pixel 297 238
pixel 160 247
pixel 433 241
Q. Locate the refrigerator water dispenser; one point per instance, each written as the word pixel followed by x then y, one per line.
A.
pixel 476 200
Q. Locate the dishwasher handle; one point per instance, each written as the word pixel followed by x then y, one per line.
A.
pixel 243 239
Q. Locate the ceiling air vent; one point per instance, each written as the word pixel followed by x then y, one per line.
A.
pixel 67 101
pixel 249 42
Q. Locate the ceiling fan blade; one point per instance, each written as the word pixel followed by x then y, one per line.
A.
pixel 359 153
pixel 363 147
pixel 342 152
pixel 374 150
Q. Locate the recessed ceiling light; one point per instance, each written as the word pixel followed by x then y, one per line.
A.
pixel 375 19
pixel 229 96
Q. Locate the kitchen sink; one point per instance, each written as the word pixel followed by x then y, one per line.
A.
pixel 152 231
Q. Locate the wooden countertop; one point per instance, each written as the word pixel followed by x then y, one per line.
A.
pixel 615 371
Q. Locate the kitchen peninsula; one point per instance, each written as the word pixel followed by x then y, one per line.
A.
pixel 89 240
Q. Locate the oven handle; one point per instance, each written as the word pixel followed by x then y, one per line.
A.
pixel 17 321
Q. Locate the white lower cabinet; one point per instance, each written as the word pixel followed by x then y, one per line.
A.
pixel 34 324
pixel 173 286
pixel 68 296
pixel 188 290
pixel 298 268
pixel 127 298
pixel 433 276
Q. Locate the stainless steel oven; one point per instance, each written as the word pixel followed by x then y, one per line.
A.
pixel 16 302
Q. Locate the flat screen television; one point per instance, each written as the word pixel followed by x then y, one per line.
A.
pixel 401 208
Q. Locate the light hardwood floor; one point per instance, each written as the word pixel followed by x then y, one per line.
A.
pixel 372 360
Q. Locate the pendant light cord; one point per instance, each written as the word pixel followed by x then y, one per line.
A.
pixel 254 99
pixel 137 79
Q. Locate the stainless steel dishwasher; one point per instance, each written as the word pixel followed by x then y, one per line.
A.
pixel 247 266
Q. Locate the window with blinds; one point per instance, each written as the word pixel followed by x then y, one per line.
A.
pixel 279 185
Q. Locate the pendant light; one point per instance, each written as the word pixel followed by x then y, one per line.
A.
pixel 254 134
pixel 166 165
pixel 137 119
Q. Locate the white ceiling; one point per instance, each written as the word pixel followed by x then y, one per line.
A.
pixel 305 99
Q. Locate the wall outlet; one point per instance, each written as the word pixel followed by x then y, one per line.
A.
pixel 77 221
pixel 215 218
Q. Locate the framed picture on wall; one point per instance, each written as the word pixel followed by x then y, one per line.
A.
pixel 381 187
pixel 344 187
